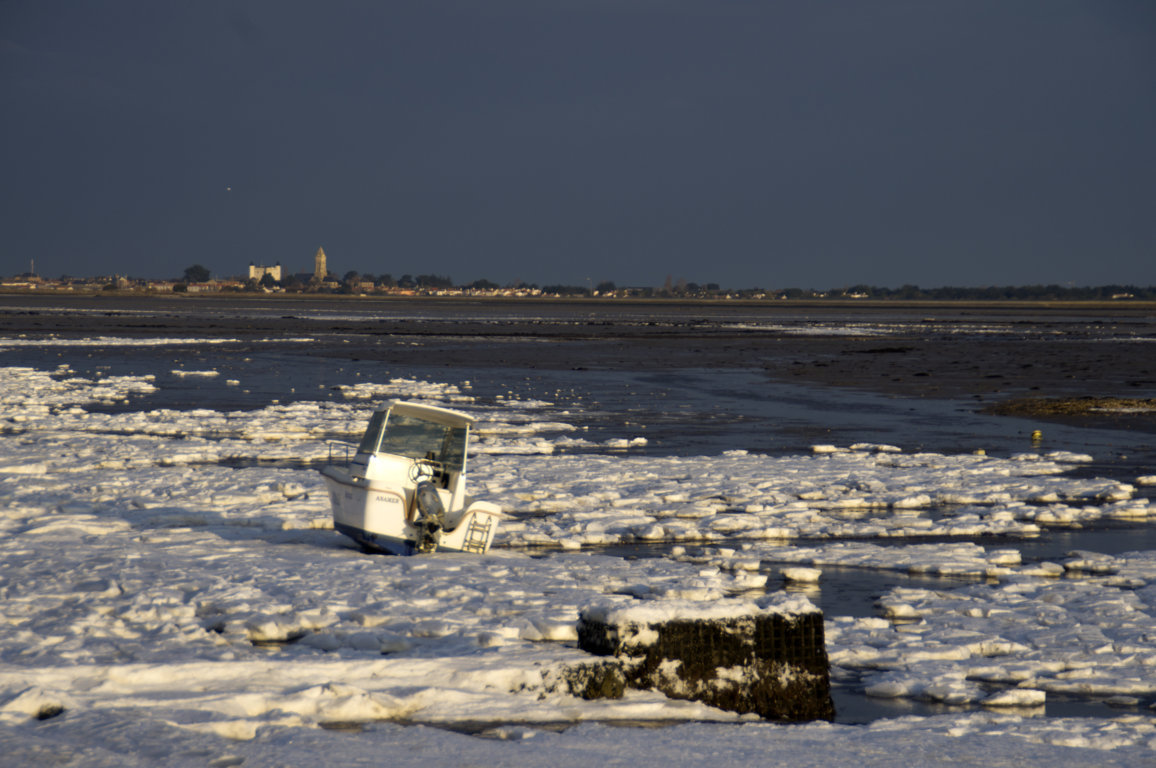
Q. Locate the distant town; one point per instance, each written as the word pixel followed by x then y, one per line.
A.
pixel 274 279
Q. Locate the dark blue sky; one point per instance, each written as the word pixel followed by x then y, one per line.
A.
pixel 774 144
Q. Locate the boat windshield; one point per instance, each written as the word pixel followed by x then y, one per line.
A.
pixel 372 434
pixel 415 439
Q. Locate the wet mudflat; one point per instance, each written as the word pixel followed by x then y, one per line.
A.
pixel 923 350
pixel 765 377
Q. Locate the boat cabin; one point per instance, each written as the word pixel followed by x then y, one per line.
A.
pixel 407 442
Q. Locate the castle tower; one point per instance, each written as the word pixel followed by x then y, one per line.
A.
pixel 319 270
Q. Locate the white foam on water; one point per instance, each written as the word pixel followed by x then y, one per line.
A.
pixel 159 598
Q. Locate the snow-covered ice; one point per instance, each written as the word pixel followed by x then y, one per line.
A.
pixel 158 601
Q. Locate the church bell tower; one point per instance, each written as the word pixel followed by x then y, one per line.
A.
pixel 319 270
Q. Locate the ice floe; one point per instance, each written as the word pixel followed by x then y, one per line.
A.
pixel 146 580
pixel 1092 637
pixel 599 500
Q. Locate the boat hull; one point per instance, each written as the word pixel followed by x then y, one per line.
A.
pixel 377 543
pixel 377 517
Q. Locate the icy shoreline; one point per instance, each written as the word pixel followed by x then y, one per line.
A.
pixel 144 580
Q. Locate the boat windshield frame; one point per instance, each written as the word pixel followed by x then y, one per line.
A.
pixel 413 437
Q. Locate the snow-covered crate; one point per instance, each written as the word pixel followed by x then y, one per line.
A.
pixel 738 656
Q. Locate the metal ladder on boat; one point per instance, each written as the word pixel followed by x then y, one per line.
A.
pixel 477 534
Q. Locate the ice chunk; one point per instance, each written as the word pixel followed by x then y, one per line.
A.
pixel 1015 697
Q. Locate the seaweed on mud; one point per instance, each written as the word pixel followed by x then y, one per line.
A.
pixel 1073 406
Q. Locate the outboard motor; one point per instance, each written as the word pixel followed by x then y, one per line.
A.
pixel 432 518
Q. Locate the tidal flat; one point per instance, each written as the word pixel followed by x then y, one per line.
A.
pixel 174 587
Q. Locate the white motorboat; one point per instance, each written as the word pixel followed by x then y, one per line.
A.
pixel 404 489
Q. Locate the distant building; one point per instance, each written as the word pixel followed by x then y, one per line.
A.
pixel 319 268
pixel 258 271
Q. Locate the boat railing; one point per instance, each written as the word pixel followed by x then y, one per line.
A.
pixel 341 452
